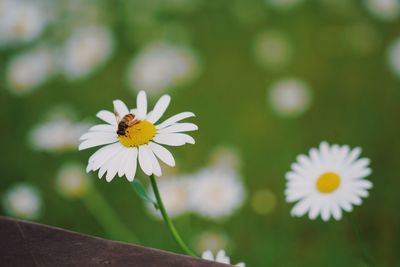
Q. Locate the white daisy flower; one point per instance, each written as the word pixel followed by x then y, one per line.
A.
pixel 220 257
pixel 72 180
pixel 86 49
pixel 216 192
pixel 22 201
pixel 329 180
pixel 133 135
pixel 160 66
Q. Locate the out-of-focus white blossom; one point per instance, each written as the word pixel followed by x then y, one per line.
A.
pixel 22 201
pixel 85 51
pixel 72 180
pixel 289 97
pixel 174 193
pixel 386 10
pixel 30 70
pixel 393 56
pixel 58 134
pixel 160 66
pixel 216 192
pixel 226 157
pixel 272 49
pixel 21 21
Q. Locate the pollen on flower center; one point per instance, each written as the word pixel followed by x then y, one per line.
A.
pixel 328 182
pixel 139 134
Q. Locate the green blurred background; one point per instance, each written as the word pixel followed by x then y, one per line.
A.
pixel 338 48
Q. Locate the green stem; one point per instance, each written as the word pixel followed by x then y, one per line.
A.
pixel 106 217
pixel 167 220
pixel 363 249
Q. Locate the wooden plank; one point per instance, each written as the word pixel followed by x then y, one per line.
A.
pixel 30 244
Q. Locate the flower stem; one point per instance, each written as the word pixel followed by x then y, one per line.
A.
pixel 363 249
pixel 167 220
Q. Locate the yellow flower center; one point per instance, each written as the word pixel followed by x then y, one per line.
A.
pixel 328 182
pixel 138 134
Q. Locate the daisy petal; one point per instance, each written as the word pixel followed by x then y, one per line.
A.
pixel 301 207
pixel 179 127
pixel 175 118
pixel 113 165
pixel 123 163
pixel 174 139
pixel 102 155
pixel 207 255
pixel 336 211
pixel 97 142
pixel 154 162
pixel 325 213
pixel 107 116
pixel 162 153
pixel 103 128
pixel 120 108
pixel 159 109
pixel 97 135
pixel 132 164
pixel 141 105
pixel 145 160
pixel 352 156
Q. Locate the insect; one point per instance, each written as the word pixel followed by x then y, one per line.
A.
pixel 124 123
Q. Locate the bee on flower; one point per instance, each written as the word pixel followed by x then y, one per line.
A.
pixel 129 136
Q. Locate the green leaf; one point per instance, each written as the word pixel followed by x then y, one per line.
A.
pixel 142 193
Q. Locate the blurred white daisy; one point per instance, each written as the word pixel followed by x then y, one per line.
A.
pixel 216 192
pixel 174 193
pixel 72 180
pixel 22 201
pixel 86 49
pixel 283 5
pixel 272 49
pixel 220 257
pixel 226 157
pixel 21 21
pixel 160 66
pixel 30 69
pixel 393 56
pixel 329 180
pixel 386 10
pixel 289 97
pixel 58 134
pixel 133 135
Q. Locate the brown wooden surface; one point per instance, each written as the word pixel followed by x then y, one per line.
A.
pixel 29 244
